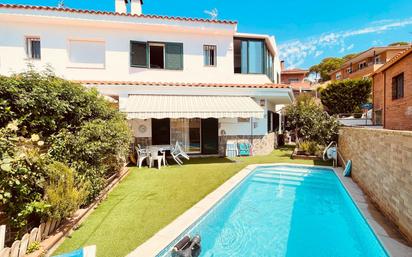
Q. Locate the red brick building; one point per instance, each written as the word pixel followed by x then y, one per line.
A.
pixel 366 63
pixel 296 79
pixel 392 93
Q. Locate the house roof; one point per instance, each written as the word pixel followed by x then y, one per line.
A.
pixel 370 53
pixel 177 84
pixel 394 60
pixel 149 16
pixel 294 71
pixel 301 86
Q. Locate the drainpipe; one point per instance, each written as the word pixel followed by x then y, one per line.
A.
pixel 384 99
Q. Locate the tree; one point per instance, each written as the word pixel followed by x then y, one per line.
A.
pixel 346 96
pixel 310 122
pixel 349 56
pixel 326 66
pixel 400 43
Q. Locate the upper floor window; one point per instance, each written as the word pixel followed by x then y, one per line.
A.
pixel 338 75
pixel 156 55
pixel 362 65
pixel 87 53
pixel 209 55
pixel 251 56
pixel 397 86
pixel 349 70
pixel 293 80
pixel 378 59
pixel 33 47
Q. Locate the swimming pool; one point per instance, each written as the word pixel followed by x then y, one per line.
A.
pixel 285 211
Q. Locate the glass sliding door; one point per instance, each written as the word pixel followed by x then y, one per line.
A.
pixel 187 133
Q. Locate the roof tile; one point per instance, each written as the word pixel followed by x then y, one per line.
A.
pixel 181 84
pixel 150 16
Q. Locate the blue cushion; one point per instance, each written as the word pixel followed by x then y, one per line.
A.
pixel 348 169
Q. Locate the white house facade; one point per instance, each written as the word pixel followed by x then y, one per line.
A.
pixel 195 81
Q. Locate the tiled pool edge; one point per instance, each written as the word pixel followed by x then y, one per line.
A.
pixel 392 240
pixel 394 243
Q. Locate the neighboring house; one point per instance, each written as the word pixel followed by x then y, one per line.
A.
pixel 392 93
pixel 366 63
pixel 196 81
pixel 297 79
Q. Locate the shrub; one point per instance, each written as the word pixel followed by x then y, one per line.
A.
pixel 84 141
pixel 346 96
pixel 62 193
pixel 96 151
pixel 45 104
pixel 309 147
pixel 307 118
pixel 22 177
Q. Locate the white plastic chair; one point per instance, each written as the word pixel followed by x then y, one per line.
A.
pixel 155 156
pixel 141 156
pixel 178 152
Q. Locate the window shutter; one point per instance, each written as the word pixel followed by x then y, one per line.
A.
pixel 138 54
pixel 174 56
pixel 401 86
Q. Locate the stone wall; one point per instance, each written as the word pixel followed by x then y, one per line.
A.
pixel 262 145
pixel 382 166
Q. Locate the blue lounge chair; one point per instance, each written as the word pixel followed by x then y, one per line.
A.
pixel 88 251
pixel 244 149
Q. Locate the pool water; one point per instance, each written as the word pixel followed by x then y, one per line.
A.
pixel 286 211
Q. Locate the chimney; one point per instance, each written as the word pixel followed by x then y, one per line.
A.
pixel 136 7
pixel 282 65
pixel 120 6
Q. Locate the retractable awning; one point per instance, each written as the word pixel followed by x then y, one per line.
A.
pixel 187 106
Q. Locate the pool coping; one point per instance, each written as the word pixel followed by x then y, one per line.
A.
pixel 390 238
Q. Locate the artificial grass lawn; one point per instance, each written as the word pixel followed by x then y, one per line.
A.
pixel 149 199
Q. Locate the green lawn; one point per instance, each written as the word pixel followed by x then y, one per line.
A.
pixel 149 199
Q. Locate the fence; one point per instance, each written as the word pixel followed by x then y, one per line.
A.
pixel 19 247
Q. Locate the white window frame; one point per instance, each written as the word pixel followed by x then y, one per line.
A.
pixel 75 65
pixel 27 40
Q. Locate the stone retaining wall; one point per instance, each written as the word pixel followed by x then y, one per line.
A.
pixel 262 145
pixel 382 166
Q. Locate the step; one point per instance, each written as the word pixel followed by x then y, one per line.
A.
pixel 297 178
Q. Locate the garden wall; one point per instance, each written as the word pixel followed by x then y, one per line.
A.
pixel 382 166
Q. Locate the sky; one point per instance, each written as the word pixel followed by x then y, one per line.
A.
pixel 305 31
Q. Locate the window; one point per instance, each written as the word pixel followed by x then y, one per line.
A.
pixel 156 55
pixel 378 59
pixel 338 75
pixel 255 57
pixel 251 56
pixel 33 48
pixel 88 54
pixel 349 70
pixel 209 55
pixel 362 65
pixel 293 80
pixel 187 132
pixel 397 87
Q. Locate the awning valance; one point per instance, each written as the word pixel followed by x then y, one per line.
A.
pixel 187 106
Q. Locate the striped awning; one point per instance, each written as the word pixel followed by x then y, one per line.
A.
pixel 187 106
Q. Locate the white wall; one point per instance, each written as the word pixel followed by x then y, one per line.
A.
pixel 55 38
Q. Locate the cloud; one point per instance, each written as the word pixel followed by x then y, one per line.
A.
pixel 318 53
pixel 296 51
